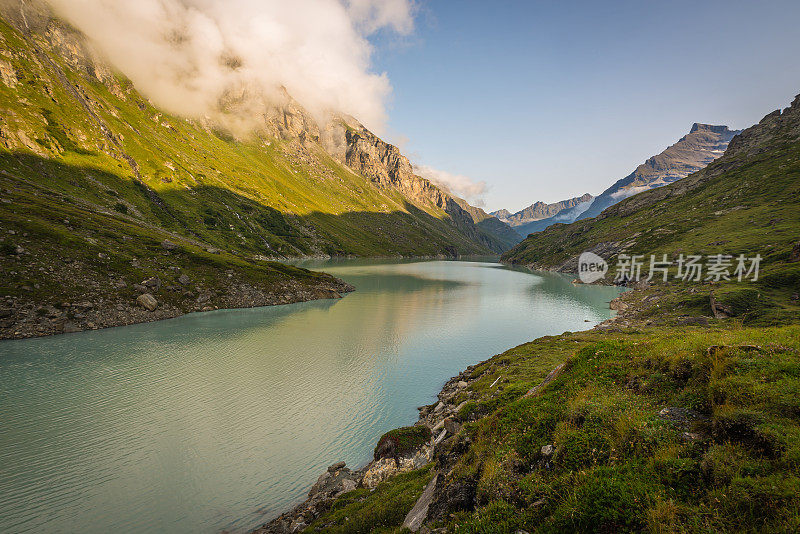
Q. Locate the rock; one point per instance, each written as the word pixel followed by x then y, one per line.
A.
pixel 719 310
pixel 140 288
pixel 168 245
pixel 548 450
pixel 555 373
pixel 153 283
pixel 438 407
pixel 451 426
pixel 70 328
pixel 617 304
pixel 207 308
pixel 795 255
pixel 297 526
pixel 384 468
pixel 147 301
pixel 336 466
pixel 417 515
pixel 183 280
pixel 212 250
pixel 461 384
pixel 348 485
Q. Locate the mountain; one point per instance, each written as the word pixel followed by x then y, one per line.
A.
pixel 672 416
pixel 539 210
pixel 703 144
pixel 101 190
pixel 491 224
pixel 567 215
pixel 745 202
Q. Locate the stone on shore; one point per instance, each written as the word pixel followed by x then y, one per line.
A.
pixel 147 301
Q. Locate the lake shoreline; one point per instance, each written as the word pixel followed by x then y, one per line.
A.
pixel 28 321
pixel 441 417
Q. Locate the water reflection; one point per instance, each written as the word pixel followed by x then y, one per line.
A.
pixel 220 420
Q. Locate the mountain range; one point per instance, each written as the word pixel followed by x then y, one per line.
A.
pixel 702 145
pixel 94 178
pixel 673 416
pixel 538 211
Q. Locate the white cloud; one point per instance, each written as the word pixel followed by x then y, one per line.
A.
pixel 185 54
pixel 628 192
pixel 458 184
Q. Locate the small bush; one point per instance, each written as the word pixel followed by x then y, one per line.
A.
pixel 402 441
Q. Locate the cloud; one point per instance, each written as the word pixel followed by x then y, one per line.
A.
pixel 459 185
pixel 628 192
pixel 187 55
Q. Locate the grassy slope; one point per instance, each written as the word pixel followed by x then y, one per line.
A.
pixel 723 457
pixel 270 197
pixel 93 178
pixel 742 203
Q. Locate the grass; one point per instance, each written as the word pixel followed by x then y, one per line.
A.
pixel 362 511
pixel 93 178
pixel 257 195
pixel 732 464
pixel 671 420
pixel 402 440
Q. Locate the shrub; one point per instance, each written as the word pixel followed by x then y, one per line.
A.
pixel 402 441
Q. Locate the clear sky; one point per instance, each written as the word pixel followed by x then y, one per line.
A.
pixel 546 100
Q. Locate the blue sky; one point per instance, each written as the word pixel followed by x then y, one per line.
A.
pixel 549 100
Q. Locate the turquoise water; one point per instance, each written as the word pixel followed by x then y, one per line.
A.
pixel 219 421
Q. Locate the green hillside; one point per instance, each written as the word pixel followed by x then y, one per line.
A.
pixel 672 417
pixel 93 178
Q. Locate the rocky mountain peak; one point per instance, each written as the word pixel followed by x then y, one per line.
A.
pixel 718 129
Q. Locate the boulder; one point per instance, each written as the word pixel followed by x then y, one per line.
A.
pixel 183 280
pixel 336 467
pixel 719 310
pixel 795 255
pixel 419 513
pixel 70 328
pixel 548 450
pixel 452 426
pixel 147 301
pixel 168 245
pixel 153 283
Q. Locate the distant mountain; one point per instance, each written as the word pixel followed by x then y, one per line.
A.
pixel 747 201
pixel 538 211
pixel 703 144
pixel 565 216
pixel 490 224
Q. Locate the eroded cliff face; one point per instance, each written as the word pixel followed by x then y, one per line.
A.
pixel 384 164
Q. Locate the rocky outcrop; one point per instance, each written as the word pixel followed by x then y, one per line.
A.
pixel 703 144
pixel 440 418
pixel 384 164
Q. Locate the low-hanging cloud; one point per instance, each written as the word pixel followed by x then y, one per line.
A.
pixel 186 55
pixel 460 185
